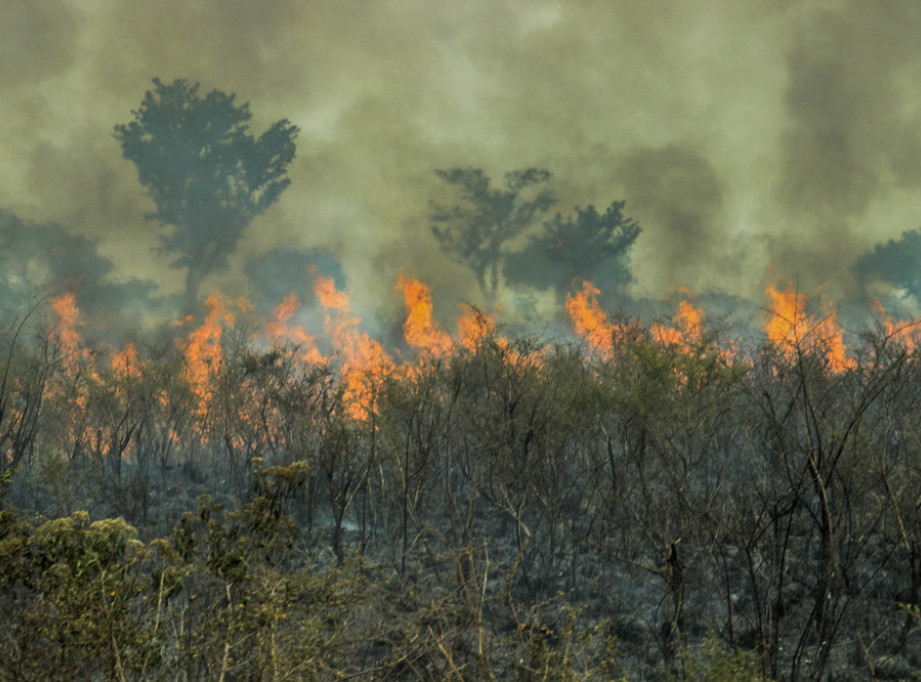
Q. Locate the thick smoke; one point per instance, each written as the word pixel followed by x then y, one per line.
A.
pixel 678 199
pixel 281 272
pixel 852 134
pixel 37 42
pixel 45 260
pixel 752 141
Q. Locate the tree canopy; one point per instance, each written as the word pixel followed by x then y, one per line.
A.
pixel 476 231
pixel 589 245
pixel 897 262
pixel 207 175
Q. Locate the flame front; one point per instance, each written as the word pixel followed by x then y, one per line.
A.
pixel 419 329
pixel 203 353
pixel 364 361
pixel 361 362
pixel 280 331
pixel 589 321
pixel 227 401
pixel 793 331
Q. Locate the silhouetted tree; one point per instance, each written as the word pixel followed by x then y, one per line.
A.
pixel 475 232
pixel 206 174
pixel 897 262
pixel 44 258
pixel 588 245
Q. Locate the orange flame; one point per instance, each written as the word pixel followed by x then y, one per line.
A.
pixel 690 319
pixel 687 330
pixel 66 309
pixel 906 333
pixel 364 361
pixel 125 362
pixel 78 367
pixel 589 321
pixel 419 329
pixel 473 326
pixel 74 356
pixel 791 330
pixel 203 353
pixel 330 298
pixel 280 331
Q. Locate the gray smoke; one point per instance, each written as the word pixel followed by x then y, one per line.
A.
pixel 677 197
pixel 852 135
pixel 39 260
pixel 752 140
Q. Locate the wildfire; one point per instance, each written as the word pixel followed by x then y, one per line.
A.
pixel 588 319
pixel 73 354
pixel 364 360
pixel 687 330
pixel 419 329
pixel 203 353
pixel 792 330
pixel 280 331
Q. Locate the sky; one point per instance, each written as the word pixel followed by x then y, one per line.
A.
pixel 753 141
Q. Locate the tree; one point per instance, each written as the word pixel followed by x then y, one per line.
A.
pixel 475 233
pixel 897 262
pixel 590 246
pixel 206 174
pixel 40 259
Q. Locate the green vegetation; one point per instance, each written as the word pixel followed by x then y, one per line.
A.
pixel 509 510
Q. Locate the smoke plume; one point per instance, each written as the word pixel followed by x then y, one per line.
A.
pixel 752 141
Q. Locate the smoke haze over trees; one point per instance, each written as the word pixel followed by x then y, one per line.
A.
pixel 591 246
pixel 40 260
pixel 897 262
pixel 484 232
pixel 477 232
pixel 800 117
pixel 280 272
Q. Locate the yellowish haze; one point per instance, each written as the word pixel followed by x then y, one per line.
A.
pixel 752 140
